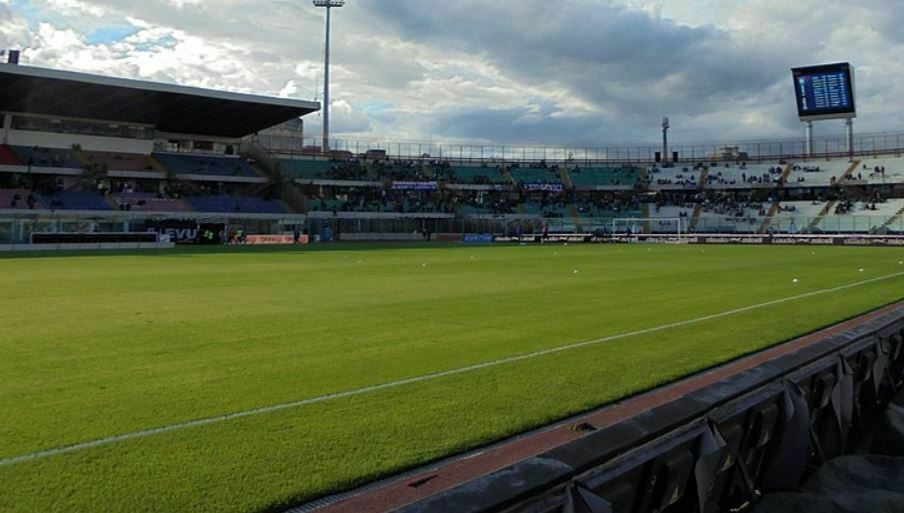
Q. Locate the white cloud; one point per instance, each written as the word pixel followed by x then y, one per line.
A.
pixel 74 7
pixel 582 70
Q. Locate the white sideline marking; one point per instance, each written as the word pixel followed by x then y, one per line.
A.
pixel 417 379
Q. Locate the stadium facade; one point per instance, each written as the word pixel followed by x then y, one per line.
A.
pixel 83 153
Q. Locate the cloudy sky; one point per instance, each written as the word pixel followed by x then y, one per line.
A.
pixel 509 71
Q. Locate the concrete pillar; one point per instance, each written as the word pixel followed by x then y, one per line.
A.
pixel 7 125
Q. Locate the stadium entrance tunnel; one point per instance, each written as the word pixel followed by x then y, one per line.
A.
pixel 775 438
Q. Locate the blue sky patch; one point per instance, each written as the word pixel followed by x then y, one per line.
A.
pixel 111 34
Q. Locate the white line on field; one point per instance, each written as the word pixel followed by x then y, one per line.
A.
pixel 408 381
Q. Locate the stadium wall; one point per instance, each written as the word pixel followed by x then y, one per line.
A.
pixel 86 142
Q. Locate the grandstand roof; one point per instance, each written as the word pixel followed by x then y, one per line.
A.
pixel 170 108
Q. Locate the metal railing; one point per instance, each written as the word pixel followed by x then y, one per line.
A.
pixel 829 146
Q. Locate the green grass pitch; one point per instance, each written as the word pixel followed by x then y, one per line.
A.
pixel 94 346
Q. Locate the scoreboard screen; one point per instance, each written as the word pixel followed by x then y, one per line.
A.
pixel 825 92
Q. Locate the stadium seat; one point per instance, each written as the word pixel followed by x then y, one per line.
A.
pixel 243 204
pixel 476 175
pixel 118 161
pixel 818 173
pixel 47 157
pixel 149 202
pixel 75 200
pixel 8 157
pixel 535 175
pixel 860 219
pixel 17 199
pixel 603 177
pixel 205 165
pixel 307 169
pixel 892 170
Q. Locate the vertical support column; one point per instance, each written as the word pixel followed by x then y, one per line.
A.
pixel 326 86
pixel 809 148
pixel 665 141
pixel 7 126
pixel 849 136
pixel 665 145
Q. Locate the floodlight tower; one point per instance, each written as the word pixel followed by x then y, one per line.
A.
pixel 665 139
pixel 328 4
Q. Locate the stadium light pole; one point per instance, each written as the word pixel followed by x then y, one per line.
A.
pixel 329 5
pixel 665 140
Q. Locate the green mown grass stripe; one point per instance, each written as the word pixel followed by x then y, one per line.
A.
pixel 419 379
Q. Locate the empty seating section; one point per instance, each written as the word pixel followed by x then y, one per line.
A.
pixel 477 175
pixel 742 175
pixel 211 165
pixel 75 200
pixel 860 219
pixel 749 222
pixel 530 208
pixel 605 220
pixel 111 161
pixel 243 204
pixel 8 157
pixel 550 210
pixel 603 177
pixel 305 169
pixel 879 171
pixel 17 199
pixel 687 177
pixel 795 216
pixel 670 219
pixel 473 210
pixel 535 175
pixel 731 216
pixel 818 173
pixel 47 157
pixel 327 205
pixel 148 202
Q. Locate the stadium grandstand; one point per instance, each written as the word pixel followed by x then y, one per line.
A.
pixel 120 153
pixel 190 153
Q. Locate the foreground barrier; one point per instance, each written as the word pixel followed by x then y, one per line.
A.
pixel 716 449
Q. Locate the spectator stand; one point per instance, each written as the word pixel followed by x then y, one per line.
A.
pixel 209 168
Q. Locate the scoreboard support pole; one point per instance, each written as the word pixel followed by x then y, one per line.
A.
pixel 849 135
pixel 809 149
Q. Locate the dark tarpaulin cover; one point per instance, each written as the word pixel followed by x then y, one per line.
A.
pixel 872 483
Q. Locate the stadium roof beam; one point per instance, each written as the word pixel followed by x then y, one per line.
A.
pixel 329 5
pixel 170 108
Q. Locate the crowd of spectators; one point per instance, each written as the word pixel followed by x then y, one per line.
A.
pixel 368 199
pixel 350 169
pixel 870 203
pixel 685 177
pixel 875 171
pixel 29 201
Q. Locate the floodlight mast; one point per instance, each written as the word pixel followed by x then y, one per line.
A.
pixel 328 4
pixel 665 139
